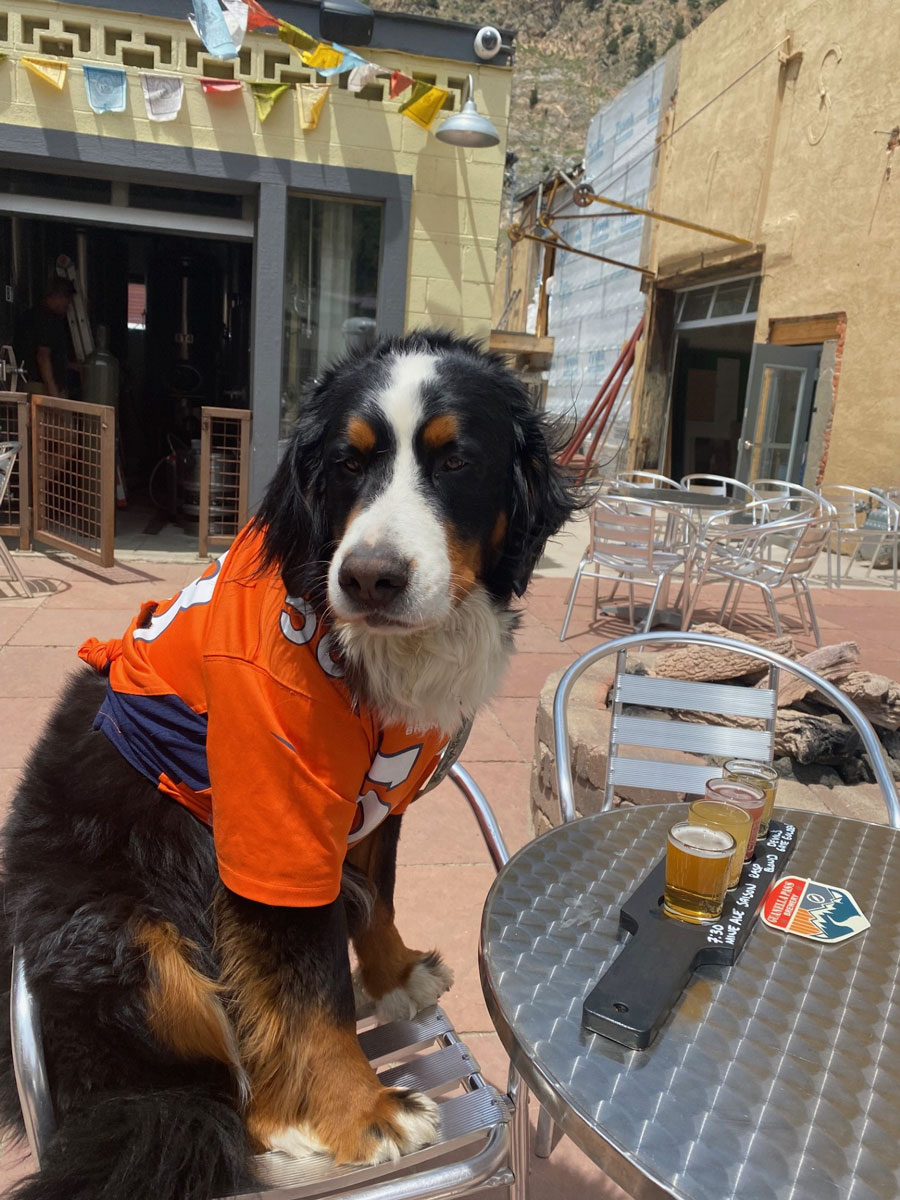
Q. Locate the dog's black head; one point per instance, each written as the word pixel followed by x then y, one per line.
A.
pixel 417 472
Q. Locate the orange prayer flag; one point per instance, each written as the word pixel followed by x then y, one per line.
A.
pixel 259 18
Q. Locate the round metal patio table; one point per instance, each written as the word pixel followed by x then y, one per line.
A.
pixel 775 1079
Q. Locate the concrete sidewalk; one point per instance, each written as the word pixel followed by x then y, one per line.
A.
pixel 444 871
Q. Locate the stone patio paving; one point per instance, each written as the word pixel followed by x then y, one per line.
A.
pixel 445 870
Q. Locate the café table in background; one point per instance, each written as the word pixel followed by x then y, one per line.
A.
pixel 774 1079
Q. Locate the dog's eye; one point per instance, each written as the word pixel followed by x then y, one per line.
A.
pixel 453 463
pixel 352 466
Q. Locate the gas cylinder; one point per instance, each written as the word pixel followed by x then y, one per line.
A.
pixel 100 373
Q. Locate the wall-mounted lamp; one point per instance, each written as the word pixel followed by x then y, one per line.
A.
pixel 468 127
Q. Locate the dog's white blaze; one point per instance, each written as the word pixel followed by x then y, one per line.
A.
pixel 401 518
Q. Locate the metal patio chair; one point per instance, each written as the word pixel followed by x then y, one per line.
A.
pixel 634 543
pixel 646 479
pixel 791 499
pixel 647 691
pixel 866 522
pixel 484 1132
pixel 719 485
pixel 772 556
pixel 8 452
pixel 633 733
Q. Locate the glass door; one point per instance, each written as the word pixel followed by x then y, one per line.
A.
pixel 331 289
pixel 777 414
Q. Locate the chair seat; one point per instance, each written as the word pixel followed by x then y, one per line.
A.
pixel 424 1054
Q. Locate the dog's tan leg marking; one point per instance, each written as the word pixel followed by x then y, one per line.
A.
pixel 311 1087
pixel 400 981
pixel 184 1010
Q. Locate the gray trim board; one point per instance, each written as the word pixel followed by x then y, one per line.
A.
pixel 269 180
pixel 267 331
pixel 429 37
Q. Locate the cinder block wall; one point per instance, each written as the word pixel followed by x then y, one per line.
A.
pixel 456 193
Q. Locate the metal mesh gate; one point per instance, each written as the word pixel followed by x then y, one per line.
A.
pixel 15 511
pixel 73 459
pixel 224 475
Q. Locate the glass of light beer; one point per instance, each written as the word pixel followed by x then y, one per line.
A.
pixel 697 861
pixel 760 775
pixel 744 795
pixel 734 821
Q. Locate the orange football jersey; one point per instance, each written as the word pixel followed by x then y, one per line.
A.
pixel 228 698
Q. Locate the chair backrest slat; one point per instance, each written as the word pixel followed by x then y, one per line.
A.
pixel 693 738
pixel 660 776
pixel 718 698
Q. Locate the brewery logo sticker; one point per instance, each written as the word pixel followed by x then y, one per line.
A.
pixel 812 910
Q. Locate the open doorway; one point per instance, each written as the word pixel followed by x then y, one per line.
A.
pixel 714 325
pixel 708 391
pixel 169 316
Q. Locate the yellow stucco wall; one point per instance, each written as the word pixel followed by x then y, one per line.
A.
pixel 456 192
pixel 804 177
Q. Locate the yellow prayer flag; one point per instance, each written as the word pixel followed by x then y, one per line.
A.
pixel 48 69
pixel 424 104
pixel 323 56
pixel 296 37
pixel 266 96
pixel 311 99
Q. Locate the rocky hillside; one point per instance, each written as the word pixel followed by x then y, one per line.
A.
pixel 570 56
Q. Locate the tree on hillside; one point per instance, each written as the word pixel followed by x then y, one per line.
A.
pixel 645 51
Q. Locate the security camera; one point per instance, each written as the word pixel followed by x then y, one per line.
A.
pixel 488 42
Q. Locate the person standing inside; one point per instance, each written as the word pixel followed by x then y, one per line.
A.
pixel 43 342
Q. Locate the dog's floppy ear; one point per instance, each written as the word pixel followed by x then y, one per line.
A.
pixel 291 517
pixel 543 495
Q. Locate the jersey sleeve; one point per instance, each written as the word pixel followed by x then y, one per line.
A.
pixel 285 771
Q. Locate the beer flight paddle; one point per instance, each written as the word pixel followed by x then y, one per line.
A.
pixel 636 993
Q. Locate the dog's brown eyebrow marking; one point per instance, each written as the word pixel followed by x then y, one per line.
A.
pixel 361 435
pixel 440 430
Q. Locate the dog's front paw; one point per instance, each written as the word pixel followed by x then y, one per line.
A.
pixel 400 1122
pixel 427 981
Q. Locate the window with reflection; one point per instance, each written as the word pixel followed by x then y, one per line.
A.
pixel 332 254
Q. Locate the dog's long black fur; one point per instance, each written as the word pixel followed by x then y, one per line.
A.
pixel 92 849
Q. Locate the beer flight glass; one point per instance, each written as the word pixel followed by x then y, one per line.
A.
pixel 706 852
pixel 757 774
pixel 698 858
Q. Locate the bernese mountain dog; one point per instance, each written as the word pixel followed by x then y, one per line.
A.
pixel 213 810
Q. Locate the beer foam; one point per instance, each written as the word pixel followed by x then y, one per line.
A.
pixel 705 837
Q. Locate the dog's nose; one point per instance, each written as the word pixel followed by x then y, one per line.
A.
pixel 373 577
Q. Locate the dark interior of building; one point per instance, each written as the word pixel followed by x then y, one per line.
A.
pixel 709 388
pixel 176 311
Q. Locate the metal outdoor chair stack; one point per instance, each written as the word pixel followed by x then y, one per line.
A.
pixel 771 556
pixel 8 453
pixel 634 543
pixel 483 1139
pixel 866 524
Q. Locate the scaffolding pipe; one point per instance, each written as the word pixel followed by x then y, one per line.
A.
pixel 587 421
